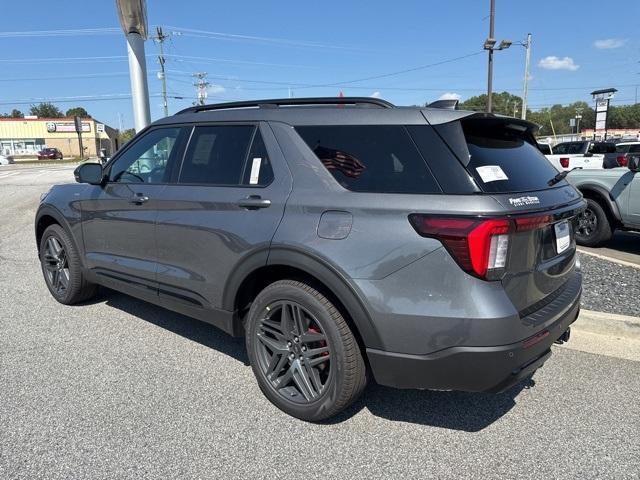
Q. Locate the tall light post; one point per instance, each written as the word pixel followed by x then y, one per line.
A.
pixel 527 63
pixel 133 19
pixel 489 44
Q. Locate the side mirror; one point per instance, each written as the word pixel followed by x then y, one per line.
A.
pixel 89 173
pixel 634 163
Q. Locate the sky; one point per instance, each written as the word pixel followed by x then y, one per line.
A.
pixel 73 53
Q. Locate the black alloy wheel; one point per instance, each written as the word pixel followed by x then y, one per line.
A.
pixel 302 351
pixel 293 353
pixel 593 227
pixel 56 266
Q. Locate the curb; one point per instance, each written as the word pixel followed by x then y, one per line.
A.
pixel 608 324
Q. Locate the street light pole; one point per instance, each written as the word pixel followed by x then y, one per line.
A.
pixel 133 19
pixel 527 62
pixel 492 14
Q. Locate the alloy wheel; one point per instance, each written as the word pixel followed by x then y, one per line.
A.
pixel 587 223
pixel 56 266
pixel 293 352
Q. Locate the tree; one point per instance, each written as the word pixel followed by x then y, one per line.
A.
pixel 126 135
pixel 79 111
pixel 15 113
pixel 503 103
pixel 46 110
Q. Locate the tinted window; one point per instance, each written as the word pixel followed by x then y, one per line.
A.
pixel 602 148
pixel 372 158
pixel 628 148
pixel 216 155
pixel 147 159
pixel 502 159
pixel 257 170
pixel 569 148
pixel 544 148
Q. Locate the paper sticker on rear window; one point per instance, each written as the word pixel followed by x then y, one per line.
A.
pixel 255 171
pixel 491 173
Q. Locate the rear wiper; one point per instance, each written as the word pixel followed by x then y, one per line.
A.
pixel 561 175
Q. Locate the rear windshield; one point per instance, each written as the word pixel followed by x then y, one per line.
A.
pixel 628 148
pixel 569 148
pixel 502 160
pixel 371 158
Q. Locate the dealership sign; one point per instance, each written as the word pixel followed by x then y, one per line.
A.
pixel 66 127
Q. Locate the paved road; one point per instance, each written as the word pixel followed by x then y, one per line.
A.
pixel 121 389
pixel 623 246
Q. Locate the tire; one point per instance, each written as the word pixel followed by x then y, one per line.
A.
pixel 318 346
pixel 62 269
pixel 593 228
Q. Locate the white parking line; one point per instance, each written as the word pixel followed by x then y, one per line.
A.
pixel 8 174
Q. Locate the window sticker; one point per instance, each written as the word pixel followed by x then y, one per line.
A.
pixel 255 171
pixel 491 173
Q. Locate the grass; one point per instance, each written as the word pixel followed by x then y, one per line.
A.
pixel 47 162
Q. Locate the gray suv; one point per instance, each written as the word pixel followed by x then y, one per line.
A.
pixel 428 248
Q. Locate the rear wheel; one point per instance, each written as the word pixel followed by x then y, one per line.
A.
pixel 593 228
pixel 62 269
pixel 302 352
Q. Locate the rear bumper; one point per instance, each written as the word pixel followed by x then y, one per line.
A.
pixel 473 369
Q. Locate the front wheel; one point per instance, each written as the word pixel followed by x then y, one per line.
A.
pixel 593 226
pixel 61 267
pixel 305 358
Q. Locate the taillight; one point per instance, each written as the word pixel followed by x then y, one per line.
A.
pixel 564 162
pixel 622 160
pixel 479 245
pixel 531 223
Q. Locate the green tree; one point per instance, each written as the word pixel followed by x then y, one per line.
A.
pixel 126 135
pixel 504 103
pixel 15 113
pixel 79 111
pixel 46 110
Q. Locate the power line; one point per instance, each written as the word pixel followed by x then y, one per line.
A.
pixel 62 33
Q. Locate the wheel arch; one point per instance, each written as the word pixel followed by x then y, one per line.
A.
pixel 257 272
pixel 47 216
pixel 602 196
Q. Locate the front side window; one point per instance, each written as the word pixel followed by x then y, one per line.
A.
pixel 217 155
pixel 147 159
pixel 371 158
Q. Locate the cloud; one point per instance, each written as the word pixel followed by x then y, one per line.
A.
pixel 556 63
pixel 376 94
pixel 450 96
pixel 608 43
pixel 213 89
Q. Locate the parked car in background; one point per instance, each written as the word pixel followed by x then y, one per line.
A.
pixel 430 248
pixel 50 154
pixel 545 148
pixel 6 160
pixel 613 201
pixel 620 158
pixel 583 154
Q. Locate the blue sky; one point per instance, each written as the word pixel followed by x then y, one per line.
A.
pixel 254 49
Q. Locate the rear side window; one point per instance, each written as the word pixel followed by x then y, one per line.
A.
pixel 628 148
pixel 371 158
pixel 216 155
pixel 502 160
pixel 568 148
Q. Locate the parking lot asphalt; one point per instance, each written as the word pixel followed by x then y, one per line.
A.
pixel 121 389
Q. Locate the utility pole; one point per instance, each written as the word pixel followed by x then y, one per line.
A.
pixel 201 87
pixel 160 38
pixel 527 63
pixel 492 15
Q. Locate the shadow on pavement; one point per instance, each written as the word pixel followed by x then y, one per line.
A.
pixel 470 412
pixel 627 242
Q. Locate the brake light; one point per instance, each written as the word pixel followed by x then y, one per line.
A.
pixel 532 223
pixel 479 246
pixel 564 162
pixel 622 160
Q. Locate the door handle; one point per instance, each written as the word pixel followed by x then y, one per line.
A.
pixel 139 199
pixel 254 202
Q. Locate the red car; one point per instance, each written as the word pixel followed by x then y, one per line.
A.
pixel 50 154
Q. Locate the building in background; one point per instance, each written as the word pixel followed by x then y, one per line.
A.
pixel 25 136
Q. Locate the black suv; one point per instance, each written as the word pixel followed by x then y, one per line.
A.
pixel 427 247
